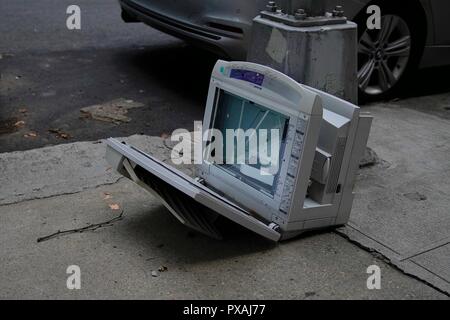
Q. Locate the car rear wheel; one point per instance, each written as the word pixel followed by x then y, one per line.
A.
pixel 386 56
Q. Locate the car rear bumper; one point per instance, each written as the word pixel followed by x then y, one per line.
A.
pixel 222 42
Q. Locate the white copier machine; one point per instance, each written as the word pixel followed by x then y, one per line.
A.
pixel 320 143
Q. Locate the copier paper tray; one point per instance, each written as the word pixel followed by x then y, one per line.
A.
pixel 191 202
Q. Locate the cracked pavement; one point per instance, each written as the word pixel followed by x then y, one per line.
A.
pixel 56 178
pixel 402 205
pixel 122 259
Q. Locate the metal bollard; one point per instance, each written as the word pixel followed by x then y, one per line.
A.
pixel 314 47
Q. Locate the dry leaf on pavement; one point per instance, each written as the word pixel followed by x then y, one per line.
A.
pixel 114 206
pixel 30 135
pixel 162 269
pixel 60 134
pixel 19 124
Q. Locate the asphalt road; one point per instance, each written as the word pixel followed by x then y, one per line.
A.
pixel 53 72
pixel 48 73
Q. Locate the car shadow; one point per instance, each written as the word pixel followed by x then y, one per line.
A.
pixel 179 68
pixel 185 70
pixel 427 82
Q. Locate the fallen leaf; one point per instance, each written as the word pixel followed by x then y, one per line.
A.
pixel 106 196
pixel 60 134
pixel 30 135
pixel 7 126
pixel 113 111
pixel 114 206
pixel 165 135
pixel 64 136
pixel 19 124
pixel 162 269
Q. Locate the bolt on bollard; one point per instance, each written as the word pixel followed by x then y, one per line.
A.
pixel 300 14
pixel 272 6
pixel 338 11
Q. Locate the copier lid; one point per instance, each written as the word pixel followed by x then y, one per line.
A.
pixel 191 202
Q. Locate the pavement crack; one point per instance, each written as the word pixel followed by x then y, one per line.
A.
pixel 166 145
pixel 391 262
pixel 82 189
pixel 91 227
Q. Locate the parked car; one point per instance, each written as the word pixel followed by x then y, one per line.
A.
pixel 414 33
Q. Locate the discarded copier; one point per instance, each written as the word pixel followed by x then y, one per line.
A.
pixel 321 143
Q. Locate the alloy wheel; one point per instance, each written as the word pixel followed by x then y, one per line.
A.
pixel 383 55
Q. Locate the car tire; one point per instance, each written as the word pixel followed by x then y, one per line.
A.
pixel 386 57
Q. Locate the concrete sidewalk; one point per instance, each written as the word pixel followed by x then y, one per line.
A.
pixel 71 186
pixel 402 207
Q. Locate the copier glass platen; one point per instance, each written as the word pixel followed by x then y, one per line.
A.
pixel 317 141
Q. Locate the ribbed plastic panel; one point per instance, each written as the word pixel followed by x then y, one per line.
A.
pixel 336 165
pixel 193 214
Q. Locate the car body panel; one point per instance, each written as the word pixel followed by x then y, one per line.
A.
pixel 441 14
pixel 225 26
